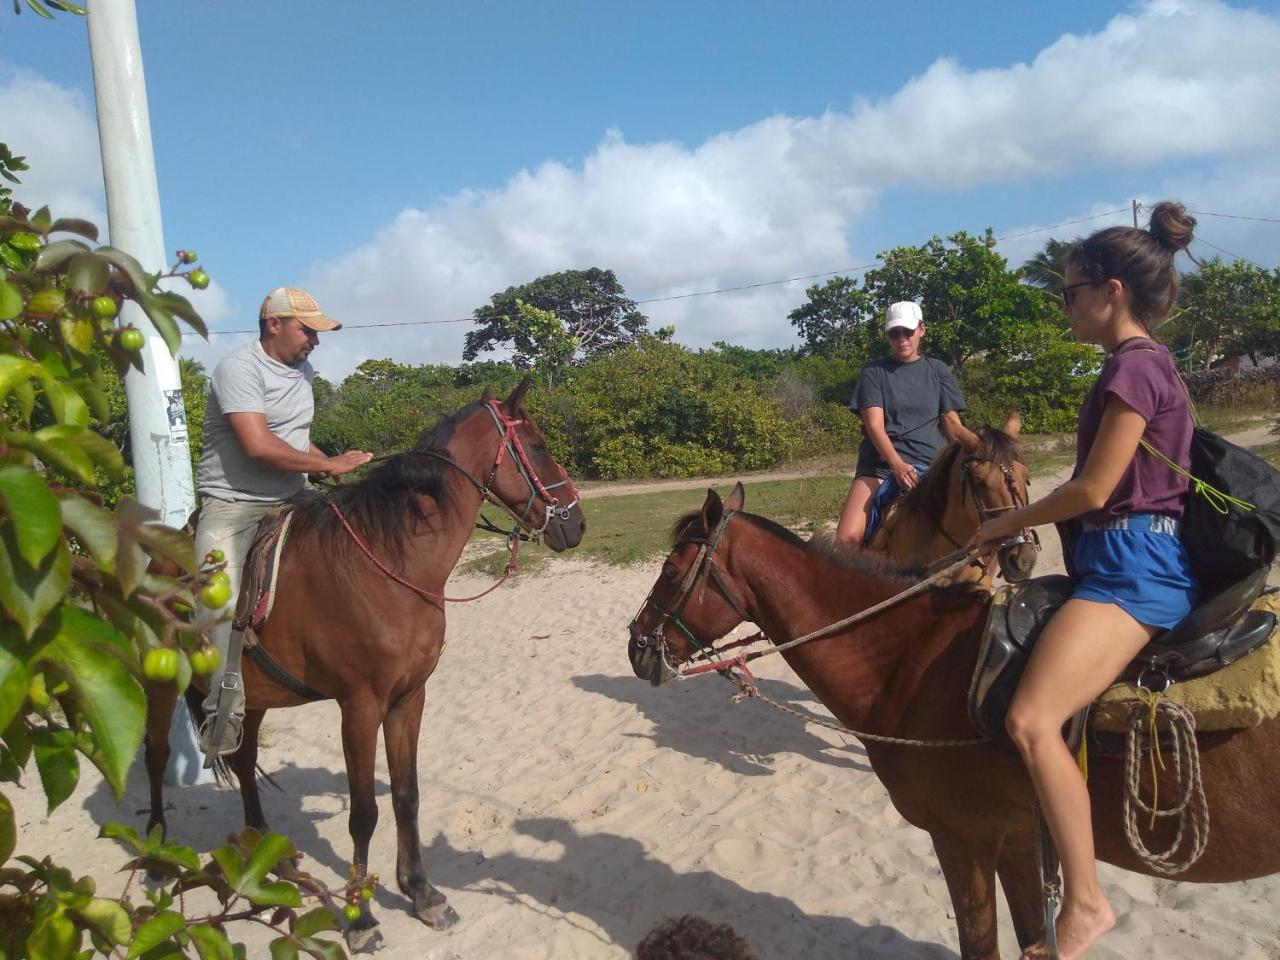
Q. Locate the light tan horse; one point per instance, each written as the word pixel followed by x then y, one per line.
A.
pixel 975 476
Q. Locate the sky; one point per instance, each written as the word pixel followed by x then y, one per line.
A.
pixel 404 161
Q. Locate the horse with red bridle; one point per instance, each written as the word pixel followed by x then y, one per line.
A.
pixel 359 615
pixel 899 679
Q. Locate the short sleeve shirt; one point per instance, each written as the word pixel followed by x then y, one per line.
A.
pixel 914 396
pixel 1142 374
pixel 249 381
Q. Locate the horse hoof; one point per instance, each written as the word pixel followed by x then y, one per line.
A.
pixel 437 916
pixel 362 940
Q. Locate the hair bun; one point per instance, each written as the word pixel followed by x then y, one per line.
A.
pixel 1171 226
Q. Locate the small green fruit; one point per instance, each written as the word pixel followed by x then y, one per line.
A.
pixel 366 893
pixel 104 307
pixel 205 659
pixel 45 303
pixel 160 664
pixel 198 279
pixel 189 256
pixel 216 593
pixel 218 555
pixel 131 339
pixel 351 912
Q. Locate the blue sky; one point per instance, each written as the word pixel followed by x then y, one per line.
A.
pixel 407 160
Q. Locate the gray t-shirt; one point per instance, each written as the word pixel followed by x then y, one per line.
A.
pixel 249 381
pixel 914 396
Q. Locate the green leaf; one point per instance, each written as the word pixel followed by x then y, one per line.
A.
pixel 180 306
pixel 71 224
pixel 106 691
pixel 97 447
pixel 36 517
pixel 15 370
pixel 65 456
pixel 130 267
pixel 8 829
pixel 28 592
pixel 155 932
pixel 41 219
pixel 284 948
pixel 211 943
pixel 108 918
pixel 67 405
pixel 77 332
pixel 174 544
pixel 56 760
pixel 10 300
pixel 55 937
pixel 315 921
pixel 93 526
pixel 88 274
pixel 14 675
pixel 25 394
pixel 163 321
pixel 58 252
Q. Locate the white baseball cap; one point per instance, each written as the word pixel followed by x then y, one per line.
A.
pixel 904 313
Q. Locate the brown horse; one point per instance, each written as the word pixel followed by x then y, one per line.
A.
pixel 350 632
pixel 974 477
pixel 905 673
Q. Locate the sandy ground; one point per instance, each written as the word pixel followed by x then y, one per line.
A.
pixel 567 807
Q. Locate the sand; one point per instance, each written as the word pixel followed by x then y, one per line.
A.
pixel 567 807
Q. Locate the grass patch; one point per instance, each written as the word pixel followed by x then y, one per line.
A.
pixel 1229 419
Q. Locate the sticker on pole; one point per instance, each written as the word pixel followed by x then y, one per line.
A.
pixel 177 416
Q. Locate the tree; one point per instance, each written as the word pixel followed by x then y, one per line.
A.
pixel 591 304
pixel 835 320
pixel 1226 309
pixel 1048 268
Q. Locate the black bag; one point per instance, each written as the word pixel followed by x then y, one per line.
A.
pixel 1225 539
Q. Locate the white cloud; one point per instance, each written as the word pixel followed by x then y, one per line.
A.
pixel 1175 80
pixel 55 129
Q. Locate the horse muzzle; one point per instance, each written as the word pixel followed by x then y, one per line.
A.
pixel 647 661
pixel 1018 560
pixel 565 527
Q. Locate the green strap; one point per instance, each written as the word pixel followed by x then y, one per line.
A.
pixel 1222 502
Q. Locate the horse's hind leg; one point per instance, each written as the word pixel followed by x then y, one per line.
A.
pixel 161 698
pixel 400 732
pixel 971 880
pixel 245 765
pixel 360 721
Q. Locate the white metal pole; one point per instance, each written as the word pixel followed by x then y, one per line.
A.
pixel 157 420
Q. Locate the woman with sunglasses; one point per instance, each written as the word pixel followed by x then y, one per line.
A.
pixel 1132 577
pixel 909 405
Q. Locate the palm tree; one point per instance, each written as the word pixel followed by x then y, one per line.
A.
pixel 1047 268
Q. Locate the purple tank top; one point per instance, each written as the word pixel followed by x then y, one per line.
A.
pixel 1142 374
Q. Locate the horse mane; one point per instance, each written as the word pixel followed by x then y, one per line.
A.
pixel 929 496
pixel 385 506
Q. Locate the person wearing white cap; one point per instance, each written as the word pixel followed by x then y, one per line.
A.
pixel 909 405
pixel 257 452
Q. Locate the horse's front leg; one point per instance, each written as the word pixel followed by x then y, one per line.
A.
pixel 161 698
pixel 360 721
pixel 1018 869
pixel 245 765
pixel 400 733
pixel 969 868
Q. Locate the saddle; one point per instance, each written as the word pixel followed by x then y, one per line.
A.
pixel 1217 633
pixel 261 567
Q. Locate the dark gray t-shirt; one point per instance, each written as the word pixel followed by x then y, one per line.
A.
pixel 914 396
pixel 249 381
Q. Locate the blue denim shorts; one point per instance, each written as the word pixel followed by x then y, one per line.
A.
pixel 1137 562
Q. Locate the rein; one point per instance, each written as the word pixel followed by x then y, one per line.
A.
pixel 509 441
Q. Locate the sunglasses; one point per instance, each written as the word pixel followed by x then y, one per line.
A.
pixel 900 333
pixel 1068 296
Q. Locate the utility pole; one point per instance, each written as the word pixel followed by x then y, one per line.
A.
pixel 1136 207
pixel 157 418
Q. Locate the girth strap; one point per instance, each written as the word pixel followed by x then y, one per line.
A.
pixel 282 676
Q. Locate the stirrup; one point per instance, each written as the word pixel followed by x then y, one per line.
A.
pixel 229 742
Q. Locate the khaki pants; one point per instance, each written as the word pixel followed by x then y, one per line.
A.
pixel 228 526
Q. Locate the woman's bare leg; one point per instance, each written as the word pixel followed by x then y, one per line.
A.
pixel 1082 650
pixel 853 518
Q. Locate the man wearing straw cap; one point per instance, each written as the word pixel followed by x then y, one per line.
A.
pixel 257 452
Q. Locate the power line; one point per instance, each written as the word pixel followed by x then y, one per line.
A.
pixel 1234 256
pixel 1233 216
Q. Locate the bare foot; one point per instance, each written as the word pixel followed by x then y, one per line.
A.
pixel 1078 928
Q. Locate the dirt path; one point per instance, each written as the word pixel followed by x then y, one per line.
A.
pixel 1253 437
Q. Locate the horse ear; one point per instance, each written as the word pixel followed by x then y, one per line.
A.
pixel 736 498
pixel 712 511
pixel 487 395
pixel 969 440
pixel 513 402
pixel 1013 424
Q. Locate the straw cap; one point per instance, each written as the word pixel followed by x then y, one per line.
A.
pixel 905 314
pixel 292 302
